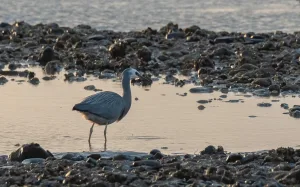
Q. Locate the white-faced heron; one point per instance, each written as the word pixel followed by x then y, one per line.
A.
pixel 107 107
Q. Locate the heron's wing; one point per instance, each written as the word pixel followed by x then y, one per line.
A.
pixel 108 105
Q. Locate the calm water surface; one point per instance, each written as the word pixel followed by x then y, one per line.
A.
pixel 229 15
pixel 44 114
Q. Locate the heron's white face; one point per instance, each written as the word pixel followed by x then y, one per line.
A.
pixel 134 73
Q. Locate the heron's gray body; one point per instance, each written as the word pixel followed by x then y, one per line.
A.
pixel 107 107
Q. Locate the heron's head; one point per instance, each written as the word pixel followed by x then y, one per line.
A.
pixel 133 73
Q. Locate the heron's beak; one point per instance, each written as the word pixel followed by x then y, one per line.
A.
pixel 143 77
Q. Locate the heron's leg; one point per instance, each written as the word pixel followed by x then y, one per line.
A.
pixel 91 131
pixel 105 137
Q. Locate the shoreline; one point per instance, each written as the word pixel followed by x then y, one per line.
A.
pixel 211 166
pixel 265 64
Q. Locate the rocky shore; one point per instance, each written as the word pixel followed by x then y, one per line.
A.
pixel 263 64
pixel 31 165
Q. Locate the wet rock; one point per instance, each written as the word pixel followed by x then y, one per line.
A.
pixel 27 151
pixel 234 157
pixel 34 81
pixel 293 88
pixel 225 39
pixel 96 37
pixel 116 177
pixel 90 87
pixel 52 67
pixel 212 150
pixel 47 78
pixel 158 156
pixel 201 90
pixel 275 88
pixel 73 156
pixel 223 96
pixel 154 151
pixel 12 66
pixel 3 80
pixel 117 50
pixel 204 62
pixel 263 82
pixel 144 54
pixel 151 163
pixel 94 156
pixel 120 157
pixel 33 161
pixel 175 35
pixel 201 107
pixel 222 52
pixel 262 93
pixel 202 101
pixel 46 56
pixel 264 104
pixel 295 112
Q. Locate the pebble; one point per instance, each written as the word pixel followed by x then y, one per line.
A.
pixel 201 90
pixel 34 81
pixel 3 80
pixel 33 161
pixel 264 104
pixel 202 101
pixel 90 87
pixel 201 107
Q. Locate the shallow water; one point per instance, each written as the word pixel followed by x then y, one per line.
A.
pixel 43 114
pixel 229 15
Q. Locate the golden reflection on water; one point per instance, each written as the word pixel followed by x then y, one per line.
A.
pixel 159 118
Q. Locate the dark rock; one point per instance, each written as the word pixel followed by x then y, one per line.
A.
pixel 144 54
pixel 201 90
pixel 52 67
pixel 27 151
pixel 202 101
pixel 212 150
pixel 117 50
pixel 33 161
pixel 96 37
pixel 3 80
pixel 158 155
pixel 116 177
pixel 175 35
pixel 225 39
pixel 73 156
pixel 120 157
pixel 295 112
pixel 234 157
pixel 94 156
pixel 151 163
pixel 46 56
pixel 205 62
pixel 201 107
pixel 285 105
pixel 34 81
pixel 154 151
pixel 263 82
pixel 293 88
pixel 90 87
pixel 264 104
pixel 12 66
pixel 274 88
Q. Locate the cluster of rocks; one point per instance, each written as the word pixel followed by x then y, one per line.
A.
pixel 268 61
pixel 32 165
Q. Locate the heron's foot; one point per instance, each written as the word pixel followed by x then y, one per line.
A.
pixel 91 132
pixel 105 139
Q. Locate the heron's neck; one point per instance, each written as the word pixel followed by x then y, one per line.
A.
pixel 126 91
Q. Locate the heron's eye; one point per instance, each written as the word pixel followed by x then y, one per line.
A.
pixel 137 73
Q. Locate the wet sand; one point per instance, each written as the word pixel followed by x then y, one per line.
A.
pixel 44 114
